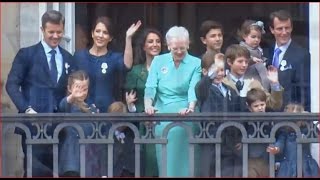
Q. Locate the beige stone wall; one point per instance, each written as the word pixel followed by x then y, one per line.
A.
pixel 10 12
pixel 12 154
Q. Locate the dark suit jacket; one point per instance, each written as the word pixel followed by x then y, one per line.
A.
pixel 29 82
pixel 295 79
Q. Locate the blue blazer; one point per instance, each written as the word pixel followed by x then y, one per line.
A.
pixel 30 72
pixel 295 78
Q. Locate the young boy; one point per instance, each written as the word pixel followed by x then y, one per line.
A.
pixel 256 101
pixel 214 96
pixel 211 35
pixel 237 58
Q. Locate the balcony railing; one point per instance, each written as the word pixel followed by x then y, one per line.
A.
pixel 204 121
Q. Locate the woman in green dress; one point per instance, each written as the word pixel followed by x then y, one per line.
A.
pixel 170 88
pixel 148 46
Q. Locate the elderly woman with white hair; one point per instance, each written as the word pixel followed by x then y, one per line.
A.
pixel 170 88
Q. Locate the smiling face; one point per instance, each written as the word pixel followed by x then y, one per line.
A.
pixel 101 36
pixel 152 45
pixel 220 71
pixel 281 30
pixel 178 48
pixel 213 40
pixel 239 66
pixel 52 33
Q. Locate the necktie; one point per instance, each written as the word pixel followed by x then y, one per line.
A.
pixel 53 66
pixel 275 61
pixel 239 85
pixel 220 88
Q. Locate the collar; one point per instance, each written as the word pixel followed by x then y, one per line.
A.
pixel 184 60
pixel 284 47
pixel 233 78
pixel 47 48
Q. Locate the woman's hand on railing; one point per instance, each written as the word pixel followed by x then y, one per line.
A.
pixel 150 110
pixel 186 111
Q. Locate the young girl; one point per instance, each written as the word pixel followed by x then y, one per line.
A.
pixel 69 155
pixel 286 143
pixel 251 32
pixel 215 96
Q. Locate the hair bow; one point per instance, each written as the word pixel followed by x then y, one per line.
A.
pixel 260 24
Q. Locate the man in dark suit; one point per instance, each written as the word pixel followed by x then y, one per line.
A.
pixel 292 61
pixel 37 82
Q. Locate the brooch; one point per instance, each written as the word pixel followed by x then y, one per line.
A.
pixel 66 65
pixel 104 67
pixel 164 70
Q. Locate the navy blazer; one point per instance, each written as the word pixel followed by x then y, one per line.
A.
pixel 29 82
pixel 295 78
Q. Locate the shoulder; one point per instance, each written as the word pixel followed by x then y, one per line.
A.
pixel 35 47
pixel 64 51
pixel 136 69
pixel 297 48
pixel 193 59
pixel 30 51
pixel 81 52
pixel 115 54
pixel 162 59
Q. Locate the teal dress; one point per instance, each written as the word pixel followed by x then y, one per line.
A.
pixel 172 89
pixel 136 80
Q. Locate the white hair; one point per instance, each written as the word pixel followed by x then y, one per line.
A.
pixel 177 32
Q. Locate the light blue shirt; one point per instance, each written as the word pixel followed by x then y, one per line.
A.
pixel 58 57
pixel 234 79
pixel 222 89
pixel 283 49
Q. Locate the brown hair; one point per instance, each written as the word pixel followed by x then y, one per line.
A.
pixel 117 107
pixel 294 107
pixel 282 15
pixel 82 76
pixel 234 51
pixel 247 26
pixel 140 54
pixel 207 25
pixel 208 59
pixel 254 95
pixel 52 16
pixel 107 22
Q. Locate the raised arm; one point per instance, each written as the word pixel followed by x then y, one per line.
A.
pixel 128 52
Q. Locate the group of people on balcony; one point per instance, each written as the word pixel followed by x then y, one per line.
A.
pixel 45 78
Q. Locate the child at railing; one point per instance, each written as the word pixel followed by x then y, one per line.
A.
pixel 124 151
pixel 69 154
pixel 287 145
pixel 215 96
pixel 257 157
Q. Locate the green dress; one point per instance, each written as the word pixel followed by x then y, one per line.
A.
pixel 172 89
pixel 136 80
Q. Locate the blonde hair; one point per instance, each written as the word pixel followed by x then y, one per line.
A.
pixel 294 107
pixel 117 107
